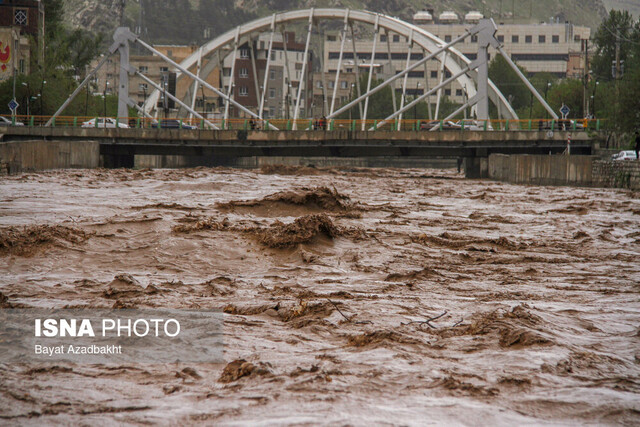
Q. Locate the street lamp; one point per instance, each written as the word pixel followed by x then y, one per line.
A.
pixel 546 89
pixel 41 95
pixel 350 95
pixel 593 97
pixel 104 97
pixel 415 106
pixel 28 97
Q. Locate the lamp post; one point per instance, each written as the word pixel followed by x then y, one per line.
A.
pixel 28 97
pixel 104 97
pixel 41 95
pixel 415 107
pixel 350 95
pixel 546 89
pixel 593 97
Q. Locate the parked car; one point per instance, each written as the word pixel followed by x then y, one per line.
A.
pixel 172 124
pixel 104 122
pixel 8 122
pixel 435 125
pixel 624 155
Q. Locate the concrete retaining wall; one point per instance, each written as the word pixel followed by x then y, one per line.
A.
pixel 16 157
pixel 619 174
pixel 564 170
pixel 151 161
pixel 542 170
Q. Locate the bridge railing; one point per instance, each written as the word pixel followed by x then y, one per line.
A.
pixel 574 125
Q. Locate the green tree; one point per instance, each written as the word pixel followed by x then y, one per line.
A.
pixel 509 83
pixel 618 29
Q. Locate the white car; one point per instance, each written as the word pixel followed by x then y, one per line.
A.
pixel 624 155
pixel 104 122
pixel 8 122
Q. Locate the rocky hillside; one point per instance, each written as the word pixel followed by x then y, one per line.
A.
pixel 193 21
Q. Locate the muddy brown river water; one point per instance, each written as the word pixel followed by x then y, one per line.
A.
pixel 328 280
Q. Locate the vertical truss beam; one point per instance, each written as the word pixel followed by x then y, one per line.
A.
pixel 426 84
pixel 439 95
pixel 356 61
pixel 194 95
pixel 254 70
pixel 392 69
pixel 268 66
pixel 406 77
pixel 376 31
pixel 339 70
pixel 304 70
pixel 231 77
pixel 288 100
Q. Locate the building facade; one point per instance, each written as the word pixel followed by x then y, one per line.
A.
pixel 20 21
pixel 282 83
pixel 106 81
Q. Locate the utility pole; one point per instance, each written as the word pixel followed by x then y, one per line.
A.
pixel 585 78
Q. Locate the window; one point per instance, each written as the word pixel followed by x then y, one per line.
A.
pixel 344 84
pixel 542 39
pixel 164 69
pixel 244 73
pixel 331 84
pixel 447 92
pixel 555 39
pixel 501 38
pixel 169 53
pixel 20 17
pixel 143 69
pixel 396 38
pixel 272 93
pixel 143 86
pixel 528 39
pixel 319 84
pixel 447 74
pixel 21 66
pixel 434 74
pixel 515 39
pixel 226 72
pixel 474 39
pixel 349 70
pixel 447 38
pixel 243 91
pixel 273 55
pixel 383 37
pixel 331 38
pixel 244 53
pixel 272 112
pixel 458 92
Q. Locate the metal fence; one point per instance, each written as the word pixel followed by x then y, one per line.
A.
pixel 315 124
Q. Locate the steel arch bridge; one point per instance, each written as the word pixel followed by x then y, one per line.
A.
pixel 454 60
pixel 472 76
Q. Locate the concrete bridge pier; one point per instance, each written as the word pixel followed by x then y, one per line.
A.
pixel 477 165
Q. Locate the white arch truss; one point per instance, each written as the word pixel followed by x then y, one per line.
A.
pixel 453 60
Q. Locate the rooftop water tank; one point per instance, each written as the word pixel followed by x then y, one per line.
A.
pixel 449 17
pixel 473 17
pixel 422 17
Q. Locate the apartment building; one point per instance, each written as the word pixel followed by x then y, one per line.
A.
pixel 541 47
pixel 19 20
pixel 155 68
pixel 284 78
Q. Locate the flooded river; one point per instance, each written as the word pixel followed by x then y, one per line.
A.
pixel 350 297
